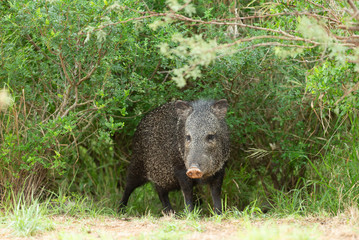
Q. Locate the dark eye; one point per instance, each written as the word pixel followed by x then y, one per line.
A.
pixel 188 138
pixel 211 137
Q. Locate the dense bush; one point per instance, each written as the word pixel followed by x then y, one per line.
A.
pixel 82 74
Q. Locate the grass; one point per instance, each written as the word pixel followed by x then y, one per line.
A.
pixel 36 219
pixel 168 230
pixel 74 204
pixel 28 220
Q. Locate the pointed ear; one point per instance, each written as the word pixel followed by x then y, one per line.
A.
pixel 183 109
pixel 220 108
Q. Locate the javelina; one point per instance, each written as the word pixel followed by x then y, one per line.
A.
pixel 179 145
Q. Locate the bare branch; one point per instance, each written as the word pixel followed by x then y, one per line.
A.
pixel 355 9
pixel 271 43
pixel 40 50
pixel 89 74
pixel 305 13
pixel 64 68
pixel 347 93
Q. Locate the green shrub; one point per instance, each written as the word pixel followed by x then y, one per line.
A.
pixel 82 75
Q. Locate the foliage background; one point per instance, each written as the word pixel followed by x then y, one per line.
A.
pixel 83 73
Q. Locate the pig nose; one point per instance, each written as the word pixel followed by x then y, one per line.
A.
pixel 194 172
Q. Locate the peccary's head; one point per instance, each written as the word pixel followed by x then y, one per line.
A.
pixel 204 138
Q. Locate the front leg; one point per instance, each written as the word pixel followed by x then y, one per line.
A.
pixel 163 195
pixel 216 189
pixel 186 185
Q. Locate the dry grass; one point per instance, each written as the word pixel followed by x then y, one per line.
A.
pixel 341 227
pixel 5 99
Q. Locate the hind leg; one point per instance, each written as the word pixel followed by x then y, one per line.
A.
pixel 163 195
pixel 133 181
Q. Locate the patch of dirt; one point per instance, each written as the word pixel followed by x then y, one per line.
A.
pixel 114 228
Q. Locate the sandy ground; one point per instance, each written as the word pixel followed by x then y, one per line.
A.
pixel 172 228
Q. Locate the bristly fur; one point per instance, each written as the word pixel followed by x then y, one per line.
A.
pixel 160 154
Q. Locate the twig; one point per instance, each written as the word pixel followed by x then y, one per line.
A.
pixel 89 74
pixel 155 71
pixel 40 50
pixel 352 89
pixel 355 9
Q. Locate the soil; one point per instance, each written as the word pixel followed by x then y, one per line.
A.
pixel 172 228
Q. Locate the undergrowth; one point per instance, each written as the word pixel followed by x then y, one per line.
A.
pixel 65 138
pixel 29 219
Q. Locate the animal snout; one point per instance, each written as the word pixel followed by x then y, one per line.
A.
pixel 194 172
